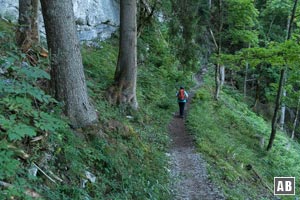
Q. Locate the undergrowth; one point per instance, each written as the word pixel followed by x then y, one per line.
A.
pixel 230 136
pixel 121 157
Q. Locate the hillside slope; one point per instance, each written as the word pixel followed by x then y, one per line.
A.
pixel 230 136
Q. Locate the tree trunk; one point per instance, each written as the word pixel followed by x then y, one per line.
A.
pixel 35 33
pixel 281 83
pixel 217 70
pixel 23 35
pixel 245 79
pixel 67 75
pixel 288 36
pixel 277 104
pixel 222 75
pixel 296 119
pixel 124 89
pixel 217 81
pixel 283 108
pixel 27 33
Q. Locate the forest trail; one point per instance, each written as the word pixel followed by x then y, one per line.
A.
pixel 188 168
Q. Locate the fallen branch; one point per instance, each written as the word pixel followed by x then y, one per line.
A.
pixel 56 177
pixel 44 173
pixel 213 37
pixel 35 139
pixel 21 153
pixel 4 184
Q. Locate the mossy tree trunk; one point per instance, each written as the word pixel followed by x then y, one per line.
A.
pixel 67 75
pixel 124 89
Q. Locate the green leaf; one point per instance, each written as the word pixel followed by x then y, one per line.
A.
pixel 8 164
pixel 17 103
pixel 33 73
pixel 5 123
pixel 19 131
pixel 48 122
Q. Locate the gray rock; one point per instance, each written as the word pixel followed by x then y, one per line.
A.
pixel 9 10
pixel 95 19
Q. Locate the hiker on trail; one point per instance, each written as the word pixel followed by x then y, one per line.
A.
pixel 182 96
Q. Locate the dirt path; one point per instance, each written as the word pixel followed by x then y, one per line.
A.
pixel 188 168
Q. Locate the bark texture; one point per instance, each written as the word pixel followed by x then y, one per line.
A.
pixel 124 89
pixel 27 33
pixel 67 75
pixel 35 34
pixel 222 75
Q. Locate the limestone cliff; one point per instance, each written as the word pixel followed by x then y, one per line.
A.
pixel 94 18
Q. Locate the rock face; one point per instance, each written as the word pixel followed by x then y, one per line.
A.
pixel 94 18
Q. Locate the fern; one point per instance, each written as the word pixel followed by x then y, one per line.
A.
pixel 24 114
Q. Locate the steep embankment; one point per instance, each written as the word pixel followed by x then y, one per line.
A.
pixel 188 168
pixel 229 136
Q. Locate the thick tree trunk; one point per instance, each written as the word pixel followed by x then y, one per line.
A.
pixel 67 75
pixel 124 89
pixel 23 35
pixel 27 33
pixel 35 33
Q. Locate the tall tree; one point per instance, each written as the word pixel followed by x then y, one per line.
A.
pixel 184 25
pixel 145 12
pixel 231 31
pixel 281 83
pixel 124 89
pixel 35 36
pixel 296 118
pixel 67 75
pixel 27 33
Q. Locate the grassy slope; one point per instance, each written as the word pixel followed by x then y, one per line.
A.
pixel 227 135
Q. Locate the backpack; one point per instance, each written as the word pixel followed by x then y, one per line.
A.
pixel 181 95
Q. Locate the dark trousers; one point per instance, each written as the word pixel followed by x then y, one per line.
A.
pixel 181 108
